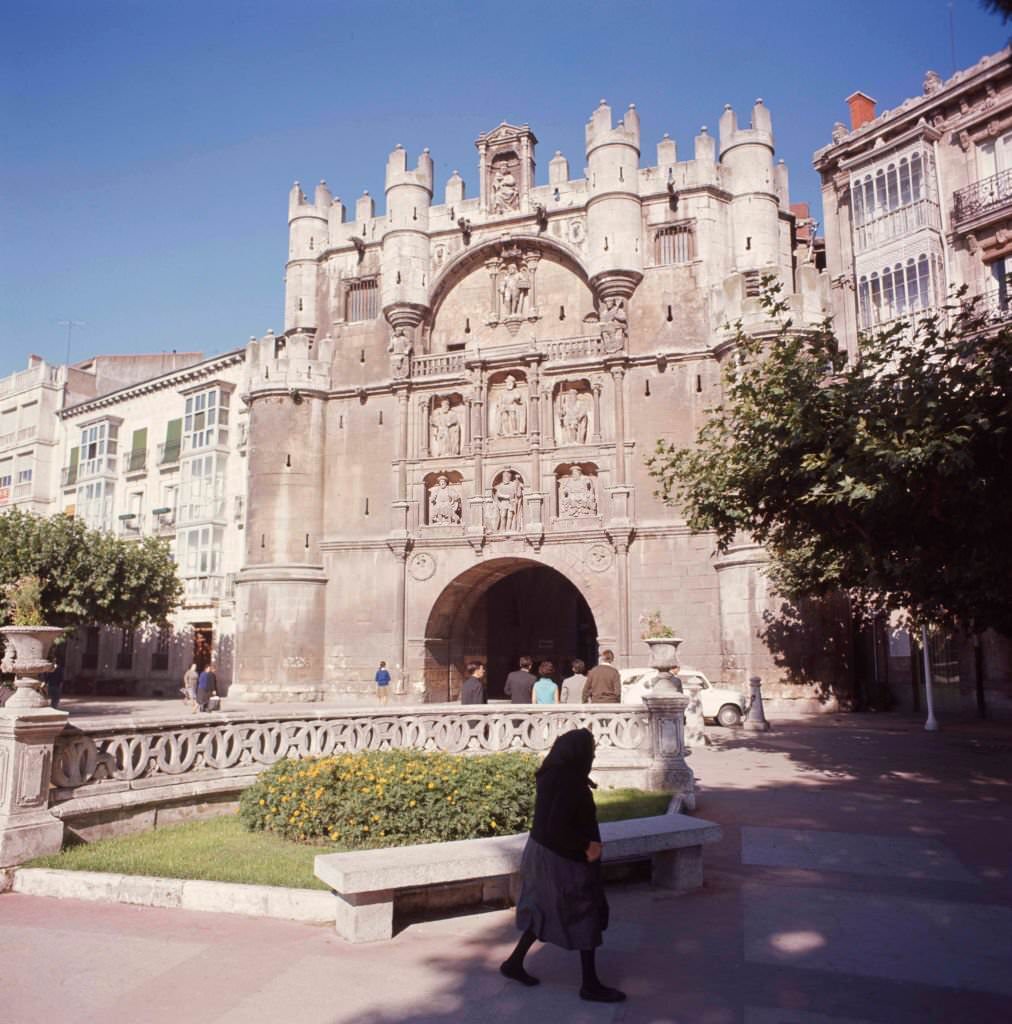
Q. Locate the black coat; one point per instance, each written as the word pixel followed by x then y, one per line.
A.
pixel 565 816
pixel 473 692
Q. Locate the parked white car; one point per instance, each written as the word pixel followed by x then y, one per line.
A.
pixel 720 704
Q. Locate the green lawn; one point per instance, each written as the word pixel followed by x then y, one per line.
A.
pixel 221 850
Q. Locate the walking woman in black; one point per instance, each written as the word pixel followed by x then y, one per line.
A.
pixel 562 898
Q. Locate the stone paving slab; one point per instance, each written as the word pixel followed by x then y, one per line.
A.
pixel 958 945
pixel 890 856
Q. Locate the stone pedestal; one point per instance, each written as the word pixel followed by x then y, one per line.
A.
pixel 756 721
pixel 27 829
pixel 668 770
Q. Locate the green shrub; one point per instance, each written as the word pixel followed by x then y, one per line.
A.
pixel 393 798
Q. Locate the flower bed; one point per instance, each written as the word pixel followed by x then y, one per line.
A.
pixel 392 798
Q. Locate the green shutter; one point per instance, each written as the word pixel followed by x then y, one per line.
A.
pixel 140 441
pixel 75 458
pixel 173 441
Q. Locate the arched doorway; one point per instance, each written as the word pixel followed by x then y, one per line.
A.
pixel 499 610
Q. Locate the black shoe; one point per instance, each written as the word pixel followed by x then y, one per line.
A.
pixel 602 994
pixel 507 970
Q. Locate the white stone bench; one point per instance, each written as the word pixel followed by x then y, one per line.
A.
pixel 366 882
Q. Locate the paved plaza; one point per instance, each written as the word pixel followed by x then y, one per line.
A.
pixel 864 876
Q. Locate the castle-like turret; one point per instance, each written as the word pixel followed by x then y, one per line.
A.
pixel 281 588
pixel 747 154
pixel 614 243
pixel 308 236
pixel 406 239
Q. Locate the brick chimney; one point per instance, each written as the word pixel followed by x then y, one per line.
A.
pixel 862 109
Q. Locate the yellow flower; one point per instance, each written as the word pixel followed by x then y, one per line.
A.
pixel 493 824
pixel 431 785
pixel 262 802
pixel 411 803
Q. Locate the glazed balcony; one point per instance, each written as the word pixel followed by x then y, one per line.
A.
pixel 982 199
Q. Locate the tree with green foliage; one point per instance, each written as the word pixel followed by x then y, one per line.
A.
pixel 886 476
pixel 88 577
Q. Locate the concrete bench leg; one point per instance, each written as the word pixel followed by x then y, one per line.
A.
pixel 365 916
pixel 681 870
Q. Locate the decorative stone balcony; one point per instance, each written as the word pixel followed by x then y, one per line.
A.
pixel 983 199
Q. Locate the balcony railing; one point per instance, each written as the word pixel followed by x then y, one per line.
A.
pixel 896 223
pixel 104 465
pixel 22 490
pixel 131 524
pixel 438 364
pixel 982 196
pixel 135 461
pixel 41 374
pixel 168 453
pixel 68 476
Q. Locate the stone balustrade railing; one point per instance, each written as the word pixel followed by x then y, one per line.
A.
pixel 91 755
pixel 118 774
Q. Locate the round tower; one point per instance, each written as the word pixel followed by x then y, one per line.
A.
pixel 281 588
pixel 614 242
pixel 747 153
pixel 405 253
pixel 308 236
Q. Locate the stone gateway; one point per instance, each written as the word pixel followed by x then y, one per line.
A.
pixel 446 447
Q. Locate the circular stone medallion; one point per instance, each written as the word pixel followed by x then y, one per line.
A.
pixel 599 557
pixel 422 566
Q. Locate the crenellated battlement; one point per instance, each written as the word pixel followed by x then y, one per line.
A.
pixel 295 363
pixel 398 173
pixel 601 132
pixel 758 133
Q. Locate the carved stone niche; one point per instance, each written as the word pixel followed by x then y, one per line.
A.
pixel 508 401
pixel 576 494
pixel 573 407
pixel 506 512
pixel 513 283
pixel 506 166
pixel 447 425
pixel 444 499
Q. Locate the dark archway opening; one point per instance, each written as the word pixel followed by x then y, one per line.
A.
pixel 498 611
pixel 538 612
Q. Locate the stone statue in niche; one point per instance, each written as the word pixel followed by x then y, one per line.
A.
pixel 577 496
pixel 444 429
pixel 508 498
pixel 444 503
pixel 511 410
pixel 514 289
pixel 505 193
pixel 400 349
pixel 615 322
pixel 574 416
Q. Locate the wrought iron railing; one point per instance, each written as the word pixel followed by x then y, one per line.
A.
pixel 982 196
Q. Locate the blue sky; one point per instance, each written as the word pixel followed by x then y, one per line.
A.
pixel 149 146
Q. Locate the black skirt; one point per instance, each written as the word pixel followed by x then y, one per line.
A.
pixel 561 901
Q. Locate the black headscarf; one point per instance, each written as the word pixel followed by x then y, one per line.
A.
pixel 572 753
pixel 565 818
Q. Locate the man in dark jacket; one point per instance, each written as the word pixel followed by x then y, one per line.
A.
pixel 520 684
pixel 473 690
pixel 604 685
pixel 207 684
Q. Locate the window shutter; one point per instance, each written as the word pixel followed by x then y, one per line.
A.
pixel 140 441
pixel 173 432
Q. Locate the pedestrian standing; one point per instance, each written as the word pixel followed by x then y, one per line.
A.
pixel 562 897
pixel 572 687
pixel 473 689
pixel 520 684
pixel 190 680
pixel 382 683
pixel 604 684
pixel 545 690
pixel 207 686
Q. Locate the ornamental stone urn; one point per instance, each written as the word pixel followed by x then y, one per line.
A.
pixel 666 704
pixel 27 656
